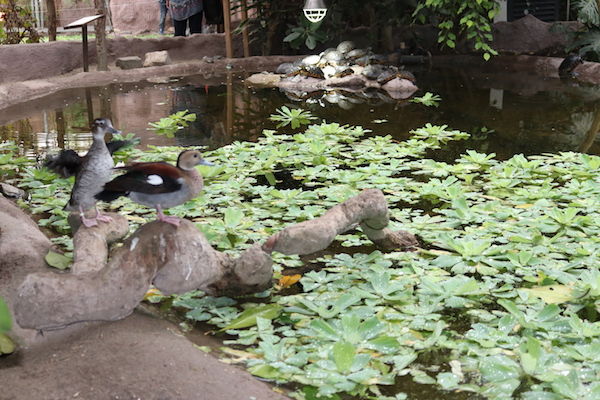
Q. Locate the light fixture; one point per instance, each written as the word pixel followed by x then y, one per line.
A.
pixel 314 10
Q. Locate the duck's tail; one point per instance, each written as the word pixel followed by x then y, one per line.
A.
pixel 110 195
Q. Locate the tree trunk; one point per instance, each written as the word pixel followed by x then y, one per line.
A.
pixel 100 30
pixel 51 7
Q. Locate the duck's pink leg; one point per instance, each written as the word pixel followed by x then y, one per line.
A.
pixel 101 217
pixel 87 222
pixel 166 218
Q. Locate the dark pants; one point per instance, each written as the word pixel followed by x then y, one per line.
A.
pixel 162 4
pixel 195 23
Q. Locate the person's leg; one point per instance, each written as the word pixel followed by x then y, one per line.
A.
pixel 163 16
pixel 196 23
pixel 180 27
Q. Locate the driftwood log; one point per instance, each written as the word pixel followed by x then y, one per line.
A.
pixel 108 285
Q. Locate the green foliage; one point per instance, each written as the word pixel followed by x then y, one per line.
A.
pixel 7 346
pixel 501 301
pixel 428 99
pixel 16 24
pixel 587 40
pixel 292 116
pixel 471 20
pixel 5 319
pixel 305 33
pixel 167 126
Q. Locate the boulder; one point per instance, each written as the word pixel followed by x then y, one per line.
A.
pixel 10 191
pixel 129 62
pixel 157 58
pixel 529 35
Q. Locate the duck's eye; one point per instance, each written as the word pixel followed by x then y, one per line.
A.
pixel 195 155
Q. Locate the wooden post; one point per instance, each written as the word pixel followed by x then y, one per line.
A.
pixel 245 38
pixel 84 40
pixel 100 30
pixel 52 23
pixel 227 23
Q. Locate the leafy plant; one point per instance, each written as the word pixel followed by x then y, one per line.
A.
pixel 292 116
pixel 169 125
pixel 428 99
pixel 16 24
pixel 471 20
pixel 306 33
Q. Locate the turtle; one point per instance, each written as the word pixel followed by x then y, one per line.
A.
pixel 342 71
pixel 333 56
pixel 345 46
pixel 312 72
pixel 373 71
pixel 356 53
pixel 311 61
pixel 568 65
pixel 285 68
pixel 391 73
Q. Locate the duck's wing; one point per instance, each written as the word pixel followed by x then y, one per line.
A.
pixel 150 178
pixel 116 145
pixel 66 163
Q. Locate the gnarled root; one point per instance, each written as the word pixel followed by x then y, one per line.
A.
pixel 180 259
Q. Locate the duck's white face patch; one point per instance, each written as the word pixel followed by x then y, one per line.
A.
pixel 155 180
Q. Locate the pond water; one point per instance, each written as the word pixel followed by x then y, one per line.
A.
pixel 505 113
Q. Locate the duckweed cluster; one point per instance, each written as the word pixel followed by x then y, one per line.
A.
pixel 500 301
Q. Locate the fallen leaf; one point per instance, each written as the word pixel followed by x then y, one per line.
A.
pixel 552 294
pixel 57 260
pixel 289 280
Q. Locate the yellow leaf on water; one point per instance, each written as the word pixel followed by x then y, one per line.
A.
pixel 523 205
pixel 289 280
pixel 552 294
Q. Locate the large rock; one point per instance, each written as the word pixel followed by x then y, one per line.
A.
pixel 128 16
pixel 156 58
pixel 529 35
pixel 129 62
pixel 22 250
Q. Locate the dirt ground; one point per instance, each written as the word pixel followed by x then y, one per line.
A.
pixel 140 357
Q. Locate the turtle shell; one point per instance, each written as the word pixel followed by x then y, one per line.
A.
pixel 313 72
pixel 403 74
pixel 343 71
pixel 285 68
pixel 386 75
pixel 345 46
pixel 311 61
pixel 334 56
pixel 356 53
pixel 373 71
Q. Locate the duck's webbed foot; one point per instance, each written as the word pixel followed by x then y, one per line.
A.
pixel 102 217
pixel 167 218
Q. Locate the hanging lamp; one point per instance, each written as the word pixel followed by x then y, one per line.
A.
pixel 314 10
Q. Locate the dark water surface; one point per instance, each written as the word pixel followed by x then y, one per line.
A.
pixel 505 113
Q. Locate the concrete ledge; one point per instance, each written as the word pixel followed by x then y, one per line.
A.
pixel 12 94
pixel 20 62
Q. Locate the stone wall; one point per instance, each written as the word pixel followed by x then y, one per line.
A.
pixel 22 62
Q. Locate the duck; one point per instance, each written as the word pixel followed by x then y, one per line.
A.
pixel 68 163
pixel 95 170
pixel 158 184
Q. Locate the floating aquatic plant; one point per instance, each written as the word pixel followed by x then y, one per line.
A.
pixel 502 300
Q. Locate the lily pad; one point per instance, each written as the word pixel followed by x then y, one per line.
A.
pixel 58 260
pixel 248 317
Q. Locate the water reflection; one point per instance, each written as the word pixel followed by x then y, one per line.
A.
pixel 505 113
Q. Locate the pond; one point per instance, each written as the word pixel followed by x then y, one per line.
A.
pixel 505 113
pixel 463 317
